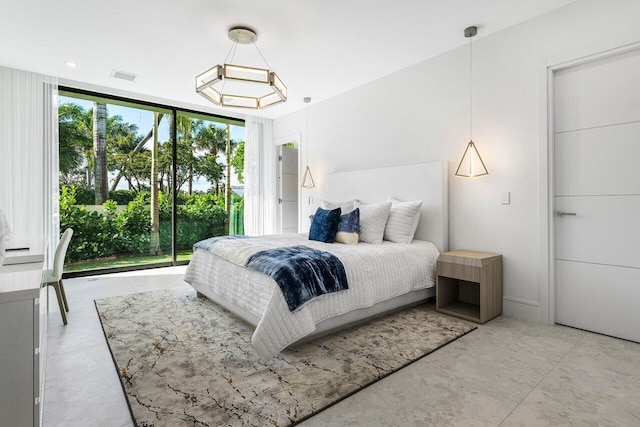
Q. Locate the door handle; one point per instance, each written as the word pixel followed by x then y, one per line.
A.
pixel 563 213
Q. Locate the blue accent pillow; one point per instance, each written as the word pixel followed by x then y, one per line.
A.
pixel 349 228
pixel 324 225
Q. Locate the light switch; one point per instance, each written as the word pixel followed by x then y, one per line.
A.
pixel 310 200
pixel 505 198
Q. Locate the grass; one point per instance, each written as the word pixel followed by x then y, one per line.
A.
pixel 125 261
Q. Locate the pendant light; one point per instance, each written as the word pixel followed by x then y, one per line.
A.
pixel 471 164
pixel 260 87
pixel 307 178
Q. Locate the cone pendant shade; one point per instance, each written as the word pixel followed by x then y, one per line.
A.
pixel 307 179
pixel 471 164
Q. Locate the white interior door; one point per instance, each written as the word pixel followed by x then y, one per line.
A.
pixel 597 196
pixel 287 189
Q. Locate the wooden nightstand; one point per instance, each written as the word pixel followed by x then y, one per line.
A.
pixel 469 285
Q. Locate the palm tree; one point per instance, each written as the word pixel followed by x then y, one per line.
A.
pixel 208 167
pixel 100 152
pixel 227 186
pixel 124 156
pixel 237 161
pixel 186 165
pixel 140 143
pixel 74 140
pixel 154 245
pixel 213 139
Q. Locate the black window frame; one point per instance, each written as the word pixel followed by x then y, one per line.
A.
pixel 132 102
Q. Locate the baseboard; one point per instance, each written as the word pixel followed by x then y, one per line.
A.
pixel 521 309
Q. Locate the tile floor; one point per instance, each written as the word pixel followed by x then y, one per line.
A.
pixel 507 373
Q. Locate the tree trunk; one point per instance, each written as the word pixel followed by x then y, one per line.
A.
pixel 227 186
pixel 154 246
pixel 89 178
pixel 100 152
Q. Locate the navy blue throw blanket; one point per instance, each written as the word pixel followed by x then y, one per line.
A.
pixel 301 272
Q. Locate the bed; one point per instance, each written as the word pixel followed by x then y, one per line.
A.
pixel 381 278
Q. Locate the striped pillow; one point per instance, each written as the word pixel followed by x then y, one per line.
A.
pixel 403 221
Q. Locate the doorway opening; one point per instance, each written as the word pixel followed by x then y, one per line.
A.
pixel 288 190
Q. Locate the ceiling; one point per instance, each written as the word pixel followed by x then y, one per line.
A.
pixel 318 48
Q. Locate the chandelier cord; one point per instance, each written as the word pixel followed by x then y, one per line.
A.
pixel 233 46
pixel 262 56
pixel 232 52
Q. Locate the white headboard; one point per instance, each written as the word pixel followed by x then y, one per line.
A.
pixel 420 181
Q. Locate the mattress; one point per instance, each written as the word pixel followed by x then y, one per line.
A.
pixel 376 273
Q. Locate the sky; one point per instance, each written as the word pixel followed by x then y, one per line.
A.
pixel 144 120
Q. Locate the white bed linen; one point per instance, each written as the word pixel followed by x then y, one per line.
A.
pixel 375 273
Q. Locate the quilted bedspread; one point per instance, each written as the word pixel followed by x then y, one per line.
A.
pixel 375 273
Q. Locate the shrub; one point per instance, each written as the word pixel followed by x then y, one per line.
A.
pixel 97 235
pixel 133 225
pixel 94 235
pixel 87 196
pixel 201 217
pixel 122 197
pixel 84 196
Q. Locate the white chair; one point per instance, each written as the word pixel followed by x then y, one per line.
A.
pixel 54 277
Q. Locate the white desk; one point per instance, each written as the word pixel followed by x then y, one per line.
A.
pixel 34 251
pixel 23 339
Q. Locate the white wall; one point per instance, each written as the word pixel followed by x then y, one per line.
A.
pixel 426 118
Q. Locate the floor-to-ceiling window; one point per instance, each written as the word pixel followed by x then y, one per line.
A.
pixel 209 179
pixel 141 183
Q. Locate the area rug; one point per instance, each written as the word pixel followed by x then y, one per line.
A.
pixel 184 360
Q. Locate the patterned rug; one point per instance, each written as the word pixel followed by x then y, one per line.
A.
pixel 183 360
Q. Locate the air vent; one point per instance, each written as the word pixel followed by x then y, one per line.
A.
pixel 124 75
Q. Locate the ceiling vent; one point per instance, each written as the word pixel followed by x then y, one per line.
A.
pixel 124 75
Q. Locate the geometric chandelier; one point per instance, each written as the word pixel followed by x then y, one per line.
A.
pixel 246 87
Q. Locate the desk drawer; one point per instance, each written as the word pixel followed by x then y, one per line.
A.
pixel 459 271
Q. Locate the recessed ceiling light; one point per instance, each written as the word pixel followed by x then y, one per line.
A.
pixel 71 64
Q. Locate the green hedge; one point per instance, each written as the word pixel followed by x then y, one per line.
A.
pixel 87 196
pixel 98 235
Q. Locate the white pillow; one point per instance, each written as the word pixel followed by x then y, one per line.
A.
pixel 373 219
pixel 345 207
pixel 403 221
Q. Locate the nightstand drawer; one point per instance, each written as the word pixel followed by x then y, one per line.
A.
pixel 459 271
